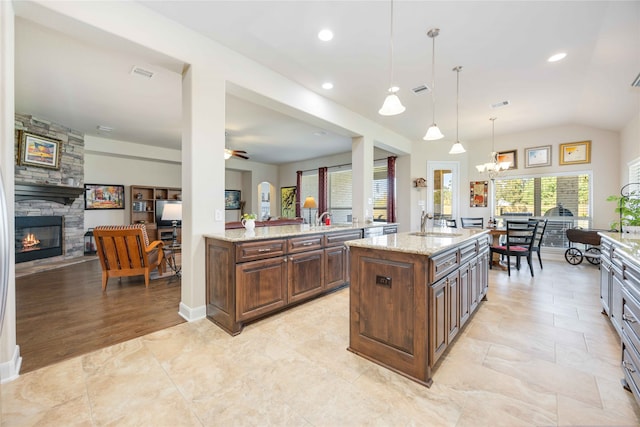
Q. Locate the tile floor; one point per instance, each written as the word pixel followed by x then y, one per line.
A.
pixel 537 353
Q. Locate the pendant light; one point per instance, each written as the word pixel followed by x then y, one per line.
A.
pixel 493 168
pixel 433 133
pixel 392 105
pixel 457 148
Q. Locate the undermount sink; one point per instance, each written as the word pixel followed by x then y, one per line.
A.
pixel 434 234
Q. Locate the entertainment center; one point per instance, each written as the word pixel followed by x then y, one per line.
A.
pixel 147 204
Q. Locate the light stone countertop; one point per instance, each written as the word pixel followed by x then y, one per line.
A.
pixel 281 231
pixel 629 242
pixel 437 240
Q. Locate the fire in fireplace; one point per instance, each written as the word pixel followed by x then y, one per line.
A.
pixel 38 237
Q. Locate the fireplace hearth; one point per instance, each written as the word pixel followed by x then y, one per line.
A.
pixel 38 237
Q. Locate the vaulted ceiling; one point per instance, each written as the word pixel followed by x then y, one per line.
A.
pixel 83 79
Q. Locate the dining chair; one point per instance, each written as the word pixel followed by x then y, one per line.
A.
pixel 518 243
pixel 542 227
pixel 472 222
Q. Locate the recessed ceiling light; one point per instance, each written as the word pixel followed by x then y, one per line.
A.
pixel 557 57
pixel 325 35
pixel 327 85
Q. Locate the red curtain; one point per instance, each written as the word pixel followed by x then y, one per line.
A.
pixel 298 191
pixel 391 189
pixel 323 204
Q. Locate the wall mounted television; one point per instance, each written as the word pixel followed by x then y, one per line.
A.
pixel 160 204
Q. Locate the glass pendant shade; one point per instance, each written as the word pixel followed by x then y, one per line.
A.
pixel 433 133
pixel 457 148
pixel 391 106
pixel 227 154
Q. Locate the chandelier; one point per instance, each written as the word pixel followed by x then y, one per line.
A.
pixel 493 168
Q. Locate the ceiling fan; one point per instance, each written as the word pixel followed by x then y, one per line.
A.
pixel 235 153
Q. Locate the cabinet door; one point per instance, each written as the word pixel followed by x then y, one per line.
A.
pixel 261 287
pixel 605 285
pixel 466 286
pixel 335 271
pixel 475 286
pixel 615 302
pixel 483 273
pixel 438 327
pixel 453 304
pixel 306 275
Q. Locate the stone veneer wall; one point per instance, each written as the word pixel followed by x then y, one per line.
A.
pixel 71 166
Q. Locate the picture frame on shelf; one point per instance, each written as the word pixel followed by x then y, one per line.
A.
pixel 38 151
pixel 103 196
pixel 510 156
pixel 535 157
pixel 232 200
pixel 288 202
pixel 574 153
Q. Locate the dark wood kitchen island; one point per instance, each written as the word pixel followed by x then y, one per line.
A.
pixel 411 294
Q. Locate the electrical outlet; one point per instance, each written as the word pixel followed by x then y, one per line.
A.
pixel 218 215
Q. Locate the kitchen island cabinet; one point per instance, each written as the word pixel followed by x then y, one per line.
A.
pixel 620 297
pixel 251 274
pixel 411 295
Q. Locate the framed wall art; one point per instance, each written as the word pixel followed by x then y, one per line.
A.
pixel 536 157
pixel 231 200
pixel 288 202
pixel 478 194
pixel 574 153
pixel 510 156
pixel 101 196
pixel 39 151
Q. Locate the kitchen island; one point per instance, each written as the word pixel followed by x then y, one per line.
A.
pixel 411 293
pixel 252 274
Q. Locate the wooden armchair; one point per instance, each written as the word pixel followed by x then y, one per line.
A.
pixel 124 250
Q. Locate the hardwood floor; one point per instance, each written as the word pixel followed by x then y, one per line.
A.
pixel 63 313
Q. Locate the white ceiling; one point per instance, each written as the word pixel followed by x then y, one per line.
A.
pixel 81 78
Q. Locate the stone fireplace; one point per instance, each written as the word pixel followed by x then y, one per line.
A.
pixel 44 193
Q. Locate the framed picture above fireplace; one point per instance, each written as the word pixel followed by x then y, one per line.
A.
pixel 100 196
pixel 39 151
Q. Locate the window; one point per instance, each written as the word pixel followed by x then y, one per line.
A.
pixel 340 193
pixel 380 191
pixel 309 185
pixel 564 199
pixel 634 171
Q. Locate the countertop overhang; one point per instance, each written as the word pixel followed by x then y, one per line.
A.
pixel 629 241
pixel 436 240
pixel 240 234
pixel 50 192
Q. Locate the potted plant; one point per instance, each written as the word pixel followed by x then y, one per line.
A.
pixel 628 207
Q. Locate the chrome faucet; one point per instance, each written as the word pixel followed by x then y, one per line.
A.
pixel 320 217
pixel 423 221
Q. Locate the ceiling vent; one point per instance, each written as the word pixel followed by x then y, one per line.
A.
pixel 138 71
pixel 103 128
pixel 500 104
pixel 636 82
pixel 422 88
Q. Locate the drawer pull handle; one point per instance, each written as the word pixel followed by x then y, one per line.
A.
pixel 264 250
pixel 629 318
pixel 628 366
pixel 307 244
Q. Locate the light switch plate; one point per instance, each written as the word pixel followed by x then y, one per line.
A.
pixel 218 215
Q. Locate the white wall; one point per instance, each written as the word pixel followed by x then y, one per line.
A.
pixel 629 147
pixel 605 158
pixel 103 166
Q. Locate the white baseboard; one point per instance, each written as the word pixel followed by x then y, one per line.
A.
pixel 192 314
pixel 10 370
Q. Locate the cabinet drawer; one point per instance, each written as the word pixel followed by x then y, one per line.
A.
pixel 306 243
pixel 631 276
pixel 390 229
pixel 616 259
pixel 605 247
pixel 336 239
pixel 630 367
pixel 483 243
pixel 251 251
pixel 631 318
pixel 443 263
pixel 467 252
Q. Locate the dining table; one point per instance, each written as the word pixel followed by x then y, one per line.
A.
pixel 495 233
